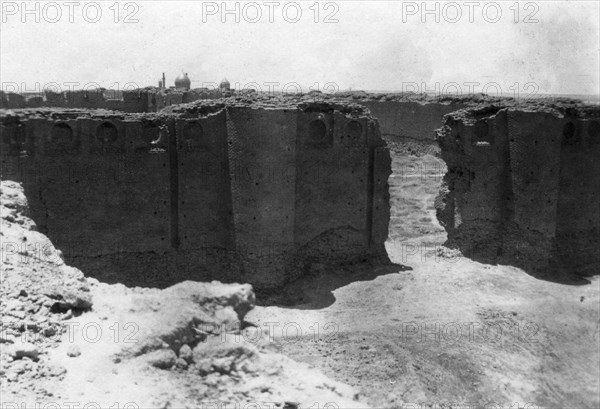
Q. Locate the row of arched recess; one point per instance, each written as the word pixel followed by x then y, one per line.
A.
pixel 64 141
pixel 571 136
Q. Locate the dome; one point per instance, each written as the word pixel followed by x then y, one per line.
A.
pixel 183 82
pixel 224 84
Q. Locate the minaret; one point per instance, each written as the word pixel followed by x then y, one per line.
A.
pixel 164 83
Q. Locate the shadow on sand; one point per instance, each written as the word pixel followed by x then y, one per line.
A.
pixel 315 290
pixel 557 270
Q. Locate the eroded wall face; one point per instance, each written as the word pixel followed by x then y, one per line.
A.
pixel 522 187
pixel 205 237
pixel 410 119
pixel 262 147
pixel 96 190
pixel 534 154
pixel 332 149
pixel 478 177
pixel 578 209
pixel 240 194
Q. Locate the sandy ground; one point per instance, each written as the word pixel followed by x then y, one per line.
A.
pixel 439 329
pixel 70 341
pixel 431 330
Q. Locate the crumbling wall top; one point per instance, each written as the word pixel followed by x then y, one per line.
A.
pixel 74 113
pixel 560 108
pixel 254 100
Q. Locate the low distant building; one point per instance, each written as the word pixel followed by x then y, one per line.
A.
pixel 224 85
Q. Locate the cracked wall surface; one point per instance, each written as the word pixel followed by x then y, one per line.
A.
pixel 228 190
pixel 523 186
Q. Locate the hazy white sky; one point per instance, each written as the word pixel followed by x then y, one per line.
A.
pixel 525 47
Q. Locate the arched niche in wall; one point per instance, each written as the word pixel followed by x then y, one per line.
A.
pixel 62 140
pixel 318 136
pixel 352 135
pixel 192 137
pixel 570 135
pixel 150 134
pixel 13 137
pixel 107 137
pixel 154 138
pixel 482 134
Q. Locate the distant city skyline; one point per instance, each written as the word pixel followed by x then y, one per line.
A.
pixel 535 48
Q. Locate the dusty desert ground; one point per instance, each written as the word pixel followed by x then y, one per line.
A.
pixel 439 329
pixel 433 329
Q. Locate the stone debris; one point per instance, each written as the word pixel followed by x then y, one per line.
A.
pixel 74 351
pixel 46 304
pixel 161 358
pixel 24 349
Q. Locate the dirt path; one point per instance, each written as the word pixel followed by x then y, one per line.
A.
pixel 437 330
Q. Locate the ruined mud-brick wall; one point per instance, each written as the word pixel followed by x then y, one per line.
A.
pixel 132 101
pixel 415 120
pixel 523 186
pixel 224 191
pixel 415 117
pixel 11 100
pixel 141 100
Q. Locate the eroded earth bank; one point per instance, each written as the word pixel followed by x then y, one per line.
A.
pixel 71 340
pixel 485 295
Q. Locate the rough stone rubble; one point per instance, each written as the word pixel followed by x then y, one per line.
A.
pixel 183 346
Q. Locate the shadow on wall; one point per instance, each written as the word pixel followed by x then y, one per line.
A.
pixel 229 194
pixel 413 186
pixel 523 188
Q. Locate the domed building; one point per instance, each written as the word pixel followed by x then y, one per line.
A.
pixel 182 82
pixel 224 85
